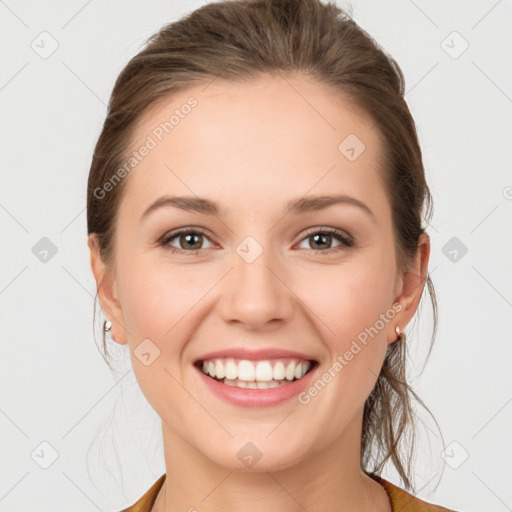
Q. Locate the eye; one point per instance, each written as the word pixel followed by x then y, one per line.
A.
pixel 189 240
pixel 319 237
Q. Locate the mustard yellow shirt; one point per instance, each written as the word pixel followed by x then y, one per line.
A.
pixel 401 501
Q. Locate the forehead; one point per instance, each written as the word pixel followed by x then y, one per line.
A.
pixel 273 136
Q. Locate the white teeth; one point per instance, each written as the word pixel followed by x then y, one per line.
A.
pixel 262 374
pixel 290 371
pixel 219 369
pixel 231 369
pixel 253 384
pixel 264 371
pixel 278 372
pixel 246 370
pixel 298 371
pixel 301 369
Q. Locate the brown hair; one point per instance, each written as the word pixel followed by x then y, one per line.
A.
pixel 242 40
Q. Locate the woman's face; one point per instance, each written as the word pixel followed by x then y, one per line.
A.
pixel 254 275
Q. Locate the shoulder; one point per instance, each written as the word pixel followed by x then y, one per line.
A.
pixel 146 501
pixel 402 501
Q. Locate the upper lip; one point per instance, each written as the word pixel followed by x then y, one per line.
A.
pixel 261 354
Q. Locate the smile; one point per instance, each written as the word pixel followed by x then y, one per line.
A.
pixel 252 374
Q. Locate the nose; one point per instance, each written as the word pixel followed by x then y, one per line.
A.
pixel 255 293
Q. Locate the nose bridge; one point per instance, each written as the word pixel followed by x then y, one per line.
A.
pixel 254 293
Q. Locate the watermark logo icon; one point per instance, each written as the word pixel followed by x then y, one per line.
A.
pixel 454 249
pixel 454 455
pixel 351 147
pixel 44 250
pixel 249 249
pixel 454 45
pixel 249 454
pixel 146 352
pixel 44 455
pixel 44 45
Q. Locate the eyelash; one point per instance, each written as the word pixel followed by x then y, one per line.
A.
pixel 345 239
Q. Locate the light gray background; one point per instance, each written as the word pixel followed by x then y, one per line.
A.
pixel 55 388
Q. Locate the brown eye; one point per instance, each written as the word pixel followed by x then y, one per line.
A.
pixel 189 241
pixel 321 240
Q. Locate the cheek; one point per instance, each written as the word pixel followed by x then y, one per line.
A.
pixel 156 300
pixel 346 299
pixel 162 307
pixel 155 296
pixel 353 311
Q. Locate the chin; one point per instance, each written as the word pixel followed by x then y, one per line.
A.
pixel 254 457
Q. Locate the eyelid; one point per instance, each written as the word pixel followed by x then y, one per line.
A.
pixel 180 231
pixel 340 233
pixel 170 235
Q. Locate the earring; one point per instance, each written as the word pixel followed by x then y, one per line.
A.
pixel 107 326
pixel 400 334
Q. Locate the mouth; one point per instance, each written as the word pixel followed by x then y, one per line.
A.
pixel 256 374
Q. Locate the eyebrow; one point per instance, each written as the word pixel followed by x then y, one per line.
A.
pixel 294 207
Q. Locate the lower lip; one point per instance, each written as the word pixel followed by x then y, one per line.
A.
pixel 247 397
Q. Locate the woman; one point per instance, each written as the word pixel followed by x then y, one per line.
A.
pixel 255 207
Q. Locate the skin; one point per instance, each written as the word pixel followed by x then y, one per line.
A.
pixel 252 148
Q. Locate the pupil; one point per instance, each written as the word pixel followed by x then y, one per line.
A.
pixel 188 237
pixel 324 236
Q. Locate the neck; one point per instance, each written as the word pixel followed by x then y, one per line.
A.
pixel 328 479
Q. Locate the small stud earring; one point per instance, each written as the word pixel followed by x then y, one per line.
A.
pixel 400 334
pixel 108 325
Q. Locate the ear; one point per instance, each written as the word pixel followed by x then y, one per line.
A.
pixel 106 290
pixel 410 287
